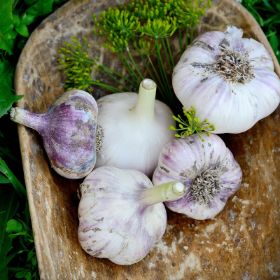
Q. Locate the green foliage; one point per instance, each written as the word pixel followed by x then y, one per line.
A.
pixel 267 14
pixel 76 64
pixel 141 34
pixel 17 252
pixel 118 27
pixel 9 176
pixel 191 125
pixel 17 16
pixel 7 97
pixel 8 207
pixel 21 235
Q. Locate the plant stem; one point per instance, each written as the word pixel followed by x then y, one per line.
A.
pixel 12 178
pixel 145 106
pixel 129 69
pixel 161 69
pixel 170 55
pixel 105 86
pixel 180 41
pixel 29 119
pixel 158 79
pixel 120 79
pixel 134 64
pixel 165 192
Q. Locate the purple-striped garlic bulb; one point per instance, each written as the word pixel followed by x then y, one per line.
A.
pixel 68 130
pixel 208 170
pixel 121 214
pixel 229 80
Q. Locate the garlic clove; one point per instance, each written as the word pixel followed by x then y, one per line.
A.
pixel 121 214
pixel 68 130
pixel 208 170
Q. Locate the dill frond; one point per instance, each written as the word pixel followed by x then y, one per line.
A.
pixel 191 124
pixel 76 65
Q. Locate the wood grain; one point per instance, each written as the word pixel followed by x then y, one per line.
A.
pixel 240 243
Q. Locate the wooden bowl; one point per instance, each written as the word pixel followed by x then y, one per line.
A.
pixel 242 242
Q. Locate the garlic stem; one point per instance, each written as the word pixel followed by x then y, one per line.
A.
pixel 165 192
pixel 146 99
pixel 32 120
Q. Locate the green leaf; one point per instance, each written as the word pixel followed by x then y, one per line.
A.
pixel 21 274
pixel 22 30
pixel 19 188
pixel 6 15
pixel 7 98
pixel 6 26
pixel 8 208
pixel 13 226
pixel 273 40
pixel 3 180
pixel 40 8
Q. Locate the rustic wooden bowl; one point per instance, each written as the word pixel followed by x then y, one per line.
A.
pixel 242 242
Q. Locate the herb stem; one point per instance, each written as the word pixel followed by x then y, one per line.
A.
pixel 134 64
pixel 104 86
pixel 180 41
pixel 158 79
pixel 129 69
pixel 167 42
pixel 161 67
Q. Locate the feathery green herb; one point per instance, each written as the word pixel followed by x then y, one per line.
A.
pixel 191 125
pixel 143 35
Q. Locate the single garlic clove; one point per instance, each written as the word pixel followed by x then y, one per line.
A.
pixel 121 214
pixel 68 130
pixel 229 80
pixel 208 170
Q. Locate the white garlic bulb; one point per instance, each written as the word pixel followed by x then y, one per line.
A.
pixel 121 214
pixel 133 129
pixel 229 80
pixel 208 170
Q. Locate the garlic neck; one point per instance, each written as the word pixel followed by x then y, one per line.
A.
pixel 29 119
pixel 165 192
pixel 145 106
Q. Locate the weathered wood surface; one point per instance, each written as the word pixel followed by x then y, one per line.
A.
pixel 241 243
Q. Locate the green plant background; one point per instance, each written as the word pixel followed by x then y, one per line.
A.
pixel 18 19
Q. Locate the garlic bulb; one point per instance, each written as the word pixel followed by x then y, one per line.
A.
pixel 133 129
pixel 121 215
pixel 68 129
pixel 229 80
pixel 208 170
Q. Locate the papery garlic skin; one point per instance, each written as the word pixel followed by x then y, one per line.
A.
pixel 208 170
pixel 229 80
pixel 134 129
pixel 68 130
pixel 120 214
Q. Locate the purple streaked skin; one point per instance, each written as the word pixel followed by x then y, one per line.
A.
pixel 114 221
pixel 68 130
pixel 185 160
